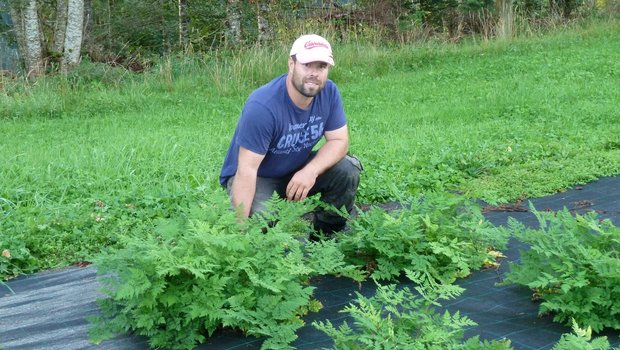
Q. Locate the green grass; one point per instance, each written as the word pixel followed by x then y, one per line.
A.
pixel 516 119
pixel 104 153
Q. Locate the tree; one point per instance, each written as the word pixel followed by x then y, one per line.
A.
pixel 28 34
pixel 233 16
pixel 73 34
pixel 183 25
pixel 265 32
pixel 506 18
pixel 60 27
pixel 87 39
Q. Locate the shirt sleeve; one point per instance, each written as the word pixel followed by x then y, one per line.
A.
pixel 337 117
pixel 256 127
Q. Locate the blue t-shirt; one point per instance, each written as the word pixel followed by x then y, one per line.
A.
pixel 272 125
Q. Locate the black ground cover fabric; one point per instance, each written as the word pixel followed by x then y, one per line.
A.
pixel 47 310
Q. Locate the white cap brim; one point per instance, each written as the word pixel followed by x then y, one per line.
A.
pixel 315 55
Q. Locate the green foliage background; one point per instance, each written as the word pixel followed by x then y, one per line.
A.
pixel 102 153
pixel 104 159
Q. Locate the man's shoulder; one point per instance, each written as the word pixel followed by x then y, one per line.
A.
pixel 331 84
pixel 269 91
pixel 331 89
pixel 330 93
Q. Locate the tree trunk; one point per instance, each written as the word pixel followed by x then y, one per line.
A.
pixel 554 8
pixel 73 36
pixel 28 34
pixel 87 42
pixel 18 26
pixel 505 22
pixel 183 26
pixel 60 27
pixel 264 29
pixel 567 8
pixel 233 14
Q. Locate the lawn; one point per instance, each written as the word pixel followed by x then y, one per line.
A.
pixel 104 153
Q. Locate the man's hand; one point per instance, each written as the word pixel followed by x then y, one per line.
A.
pixel 334 149
pixel 301 183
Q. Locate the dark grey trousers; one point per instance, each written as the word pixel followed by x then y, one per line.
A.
pixel 337 186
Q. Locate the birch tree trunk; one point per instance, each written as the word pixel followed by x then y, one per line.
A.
pixel 264 29
pixel 60 27
pixel 183 27
pixel 73 36
pixel 233 15
pixel 26 21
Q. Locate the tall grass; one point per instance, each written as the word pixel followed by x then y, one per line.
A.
pixel 89 158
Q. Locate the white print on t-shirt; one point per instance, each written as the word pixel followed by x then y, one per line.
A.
pixel 299 136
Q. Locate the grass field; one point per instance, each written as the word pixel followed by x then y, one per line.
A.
pixel 104 153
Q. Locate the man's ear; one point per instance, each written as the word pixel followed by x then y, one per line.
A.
pixel 291 64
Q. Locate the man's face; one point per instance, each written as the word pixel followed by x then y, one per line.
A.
pixel 308 78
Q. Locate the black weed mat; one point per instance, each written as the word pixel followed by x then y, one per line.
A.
pixel 47 310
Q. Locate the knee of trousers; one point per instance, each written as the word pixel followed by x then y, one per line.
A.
pixel 347 171
pixel 351 168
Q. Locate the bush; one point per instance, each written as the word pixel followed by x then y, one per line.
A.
pixel 194 275
pixel 398 319
pixel 443 236
pixel 582 339
pixel 573 265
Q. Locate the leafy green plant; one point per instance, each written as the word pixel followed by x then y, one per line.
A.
pixel 442 235
pixel 15 258
pixel 398 319
pixel 582 339
pixel 192 276
pixel 573 265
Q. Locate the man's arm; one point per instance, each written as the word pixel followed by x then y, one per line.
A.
pixel 244 184
pixel 334 149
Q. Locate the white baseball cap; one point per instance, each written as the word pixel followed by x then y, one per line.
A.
pixel 312 48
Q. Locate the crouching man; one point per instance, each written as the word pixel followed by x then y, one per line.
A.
pixel 272 147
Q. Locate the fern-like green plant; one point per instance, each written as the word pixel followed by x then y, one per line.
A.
pixel 193 275
pixel 399 319
pixel 446 236
pixel 581 339
pixel 573 265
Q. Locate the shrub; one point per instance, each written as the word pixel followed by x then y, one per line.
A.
pixel 191 276
pixel 582 339
pixel 573 265
pixel 398 319
pixel 15 257
pixel 443 236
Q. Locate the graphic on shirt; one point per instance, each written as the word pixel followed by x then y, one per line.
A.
pixel 300 136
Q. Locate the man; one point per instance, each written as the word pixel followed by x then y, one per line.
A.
pixel 272 147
